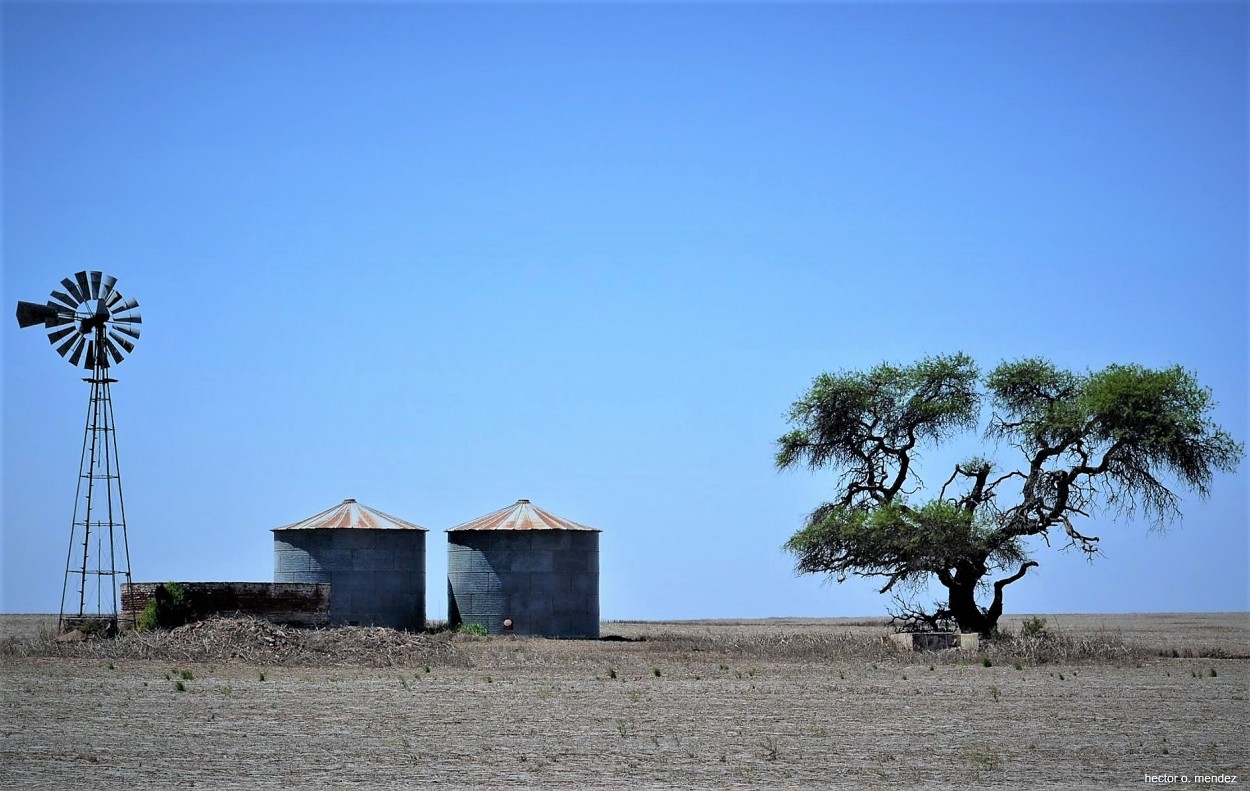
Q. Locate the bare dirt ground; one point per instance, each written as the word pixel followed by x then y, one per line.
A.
pixel 779 703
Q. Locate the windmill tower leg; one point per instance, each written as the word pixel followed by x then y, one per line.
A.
pixel 94 567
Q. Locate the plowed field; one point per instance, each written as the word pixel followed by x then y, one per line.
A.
pixel 712 704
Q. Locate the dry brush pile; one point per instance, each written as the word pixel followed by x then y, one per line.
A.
pixel 255 641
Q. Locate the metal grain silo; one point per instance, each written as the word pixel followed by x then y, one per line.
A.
pixel 375 564
pixel 523 570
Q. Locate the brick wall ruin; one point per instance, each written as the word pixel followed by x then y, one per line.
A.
pixel 289 603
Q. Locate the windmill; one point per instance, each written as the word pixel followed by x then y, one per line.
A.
pixel 92 324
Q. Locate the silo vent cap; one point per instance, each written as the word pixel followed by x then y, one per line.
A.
pixel 522 501
pixel 350 500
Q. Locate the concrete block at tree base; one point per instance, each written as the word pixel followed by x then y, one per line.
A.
pixel 935 641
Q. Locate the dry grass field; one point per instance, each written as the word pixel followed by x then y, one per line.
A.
pixel 782 703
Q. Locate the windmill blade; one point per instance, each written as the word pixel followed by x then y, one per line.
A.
pixel 106 288
pixel 29 314
pixel 95 283
pixel 129 304
pixel 59 334
pixel 72 288
pixel 89 360
pixel 113 299
pixel 84 287
pixel 64 348
pixel 111 349
pixel 77 353
pixel 66 298
pixel 122 342
pixel 135 319
pixel 131 331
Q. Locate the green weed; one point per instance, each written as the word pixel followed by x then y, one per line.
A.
pixel 167 609
pixel 1034 627
pixel 984 758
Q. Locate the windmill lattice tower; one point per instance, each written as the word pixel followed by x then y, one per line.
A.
pixel 92 324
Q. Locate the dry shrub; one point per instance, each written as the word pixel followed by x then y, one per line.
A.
pixel 28 643
pixel 1061 647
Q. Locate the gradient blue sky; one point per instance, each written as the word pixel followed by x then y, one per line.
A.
pixel 441 257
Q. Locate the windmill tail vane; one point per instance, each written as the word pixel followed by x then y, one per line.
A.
pixel 92 325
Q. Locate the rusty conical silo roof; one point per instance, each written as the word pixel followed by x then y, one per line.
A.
pixel 348 515
pixel 521 515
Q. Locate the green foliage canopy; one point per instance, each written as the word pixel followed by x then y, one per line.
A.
pixel 1114 439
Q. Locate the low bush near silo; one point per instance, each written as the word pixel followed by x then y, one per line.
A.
pixel 168 608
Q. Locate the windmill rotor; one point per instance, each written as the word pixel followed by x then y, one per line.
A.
pixel 90 315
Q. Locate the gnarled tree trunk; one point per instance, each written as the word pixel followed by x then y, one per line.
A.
pixel 962 601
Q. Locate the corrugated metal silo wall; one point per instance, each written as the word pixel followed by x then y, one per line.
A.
pixel 546 581
pixel 377 577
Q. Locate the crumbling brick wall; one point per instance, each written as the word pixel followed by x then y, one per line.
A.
pixel 290 603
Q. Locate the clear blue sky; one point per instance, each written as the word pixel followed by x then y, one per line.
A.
pixel 441 257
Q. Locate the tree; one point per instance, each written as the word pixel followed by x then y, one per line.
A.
pixel 1113 440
